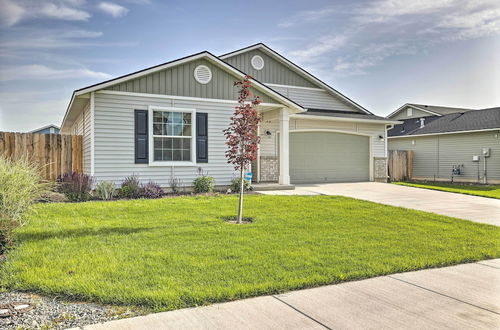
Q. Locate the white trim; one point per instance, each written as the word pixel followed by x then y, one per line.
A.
pixel 411 105
pixel 284 148
pixel 92 133
pixel 152 162
pixel 357 120
pixel 297 87
pixel 217 61
pixel 370 143
pixel 299 69
pixel 443 133
pixel 185 98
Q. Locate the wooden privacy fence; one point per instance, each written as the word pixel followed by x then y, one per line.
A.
pixel 56 154
pixel 400 165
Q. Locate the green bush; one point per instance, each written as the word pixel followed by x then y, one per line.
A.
pixel 21 185
pixel 203 184
pixel 105 190
pixel 235 185
pixel 131 188
pixel 76 186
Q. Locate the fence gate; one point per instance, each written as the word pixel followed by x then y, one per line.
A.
pixel 400 165
pixel 56 154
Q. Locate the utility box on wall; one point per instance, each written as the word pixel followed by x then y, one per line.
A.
pixel 486 152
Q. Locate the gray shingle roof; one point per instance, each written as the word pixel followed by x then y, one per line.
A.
pixel 440 110
pixel 453 122
pixel 340 114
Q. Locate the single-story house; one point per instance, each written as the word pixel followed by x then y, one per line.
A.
pixel 449 142
pixel 166 121
pixel 49 129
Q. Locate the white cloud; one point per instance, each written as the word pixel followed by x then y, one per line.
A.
pixel 42 72
pixel 11 12
pixel 14 12
pixel 112 9
pixel 320 47
pixel 51 10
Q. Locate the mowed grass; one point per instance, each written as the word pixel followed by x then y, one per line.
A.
pixel 492 191
pixel 177 252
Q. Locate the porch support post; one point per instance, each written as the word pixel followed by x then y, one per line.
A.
pixel 284 177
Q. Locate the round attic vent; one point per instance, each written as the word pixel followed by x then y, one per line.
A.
pixel 257 62
pixel 202 74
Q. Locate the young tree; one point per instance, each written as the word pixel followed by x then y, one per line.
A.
pixel 241 135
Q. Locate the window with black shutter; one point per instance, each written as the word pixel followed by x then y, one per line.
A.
pixel 141 136
pixel 201 137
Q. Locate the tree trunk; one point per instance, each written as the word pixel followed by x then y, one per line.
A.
pixel 240 205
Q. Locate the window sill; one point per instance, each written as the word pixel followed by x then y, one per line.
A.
pixel 170 164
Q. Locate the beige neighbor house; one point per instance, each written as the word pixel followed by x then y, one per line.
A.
pixel 449 142
pixel 167 121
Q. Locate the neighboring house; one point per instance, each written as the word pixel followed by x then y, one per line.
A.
pixel 167 120
pixel 49 129
pixel 444 138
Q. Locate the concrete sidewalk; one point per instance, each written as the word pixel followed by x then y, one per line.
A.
pixel 457 297
pixel 474 208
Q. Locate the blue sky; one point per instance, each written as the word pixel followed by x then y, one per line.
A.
pixel 381 53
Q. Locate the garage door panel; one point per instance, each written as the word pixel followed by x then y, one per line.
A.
pixel 328 157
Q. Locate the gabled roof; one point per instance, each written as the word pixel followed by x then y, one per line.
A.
pixel 44 127
pixel 486 119
pixel 206 55
pixel 431 109
pixel 297 69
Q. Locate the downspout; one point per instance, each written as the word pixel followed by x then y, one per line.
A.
pixel 387 128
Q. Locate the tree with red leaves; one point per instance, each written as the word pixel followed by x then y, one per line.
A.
pixel 241 135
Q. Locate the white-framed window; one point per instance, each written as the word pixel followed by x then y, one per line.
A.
pixel 172 136
pixel 409 112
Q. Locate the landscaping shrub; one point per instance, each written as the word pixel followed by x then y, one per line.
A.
pixel 152 190
pixel 203 184
pixel 20 186
pixel 235 185
pixel 130 188
pixel 105 190
pixel 76 186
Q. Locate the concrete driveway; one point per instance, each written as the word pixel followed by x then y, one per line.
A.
pixel 475 208
pixel 457 297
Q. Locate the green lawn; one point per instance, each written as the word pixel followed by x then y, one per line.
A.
pixel 177 252
pixel 492 191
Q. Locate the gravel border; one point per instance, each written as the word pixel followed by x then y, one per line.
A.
pixel 56 313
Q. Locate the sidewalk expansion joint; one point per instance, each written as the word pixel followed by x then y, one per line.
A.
pixel 442 294
pixel 301 312
pixel 479 263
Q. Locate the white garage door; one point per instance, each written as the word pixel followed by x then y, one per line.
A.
pixel 317 157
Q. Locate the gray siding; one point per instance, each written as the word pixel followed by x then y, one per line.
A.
pixel 82 126
pixel 273 72
pixel 87 136
pixel 114 140
pixel 434 156
pixel 415 114
pixel 269 145
pixel 179 81
pixel 315 98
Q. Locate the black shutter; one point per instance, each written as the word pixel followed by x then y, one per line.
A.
pixel 141 136
pixel 201 137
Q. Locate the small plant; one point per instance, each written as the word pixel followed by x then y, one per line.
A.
pixel 236 184
pixel 203 183
pixel 130 188
pixel 152 190
pixel 175 185
pixel 105 190
pixel 75 186
pixel 20 186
